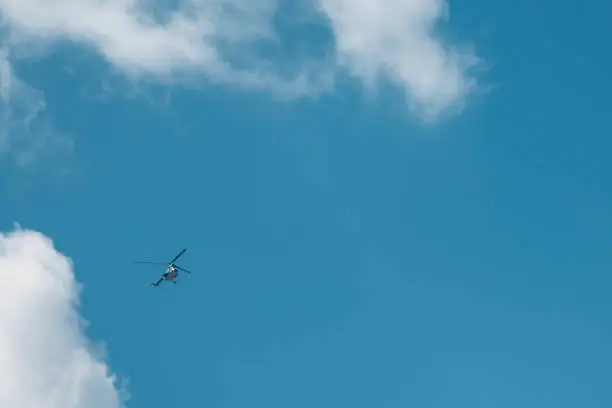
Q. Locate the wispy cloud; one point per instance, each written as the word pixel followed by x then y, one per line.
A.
pixel 46 361
pixel 25 135
pixel 225 41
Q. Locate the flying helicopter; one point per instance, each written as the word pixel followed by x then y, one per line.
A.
pixel 171 272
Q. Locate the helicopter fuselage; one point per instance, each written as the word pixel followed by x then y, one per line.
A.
pixel 171 273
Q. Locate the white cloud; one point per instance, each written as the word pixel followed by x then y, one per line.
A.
pixel 221 40
pixel 45 358
pixel 202 37
pixel 395 39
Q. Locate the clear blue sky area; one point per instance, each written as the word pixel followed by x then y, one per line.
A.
pixel 343 253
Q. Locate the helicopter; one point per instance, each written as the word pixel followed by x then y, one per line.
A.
pixel 171 272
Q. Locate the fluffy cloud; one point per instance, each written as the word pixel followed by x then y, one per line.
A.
pixel 394 39
pixel 226 40
pixel 45 358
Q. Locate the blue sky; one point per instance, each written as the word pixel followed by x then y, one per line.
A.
pixel 347 250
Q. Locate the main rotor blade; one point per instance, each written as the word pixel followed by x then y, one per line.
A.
pixel 181 268
pixel 178 256
pixel 150 263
